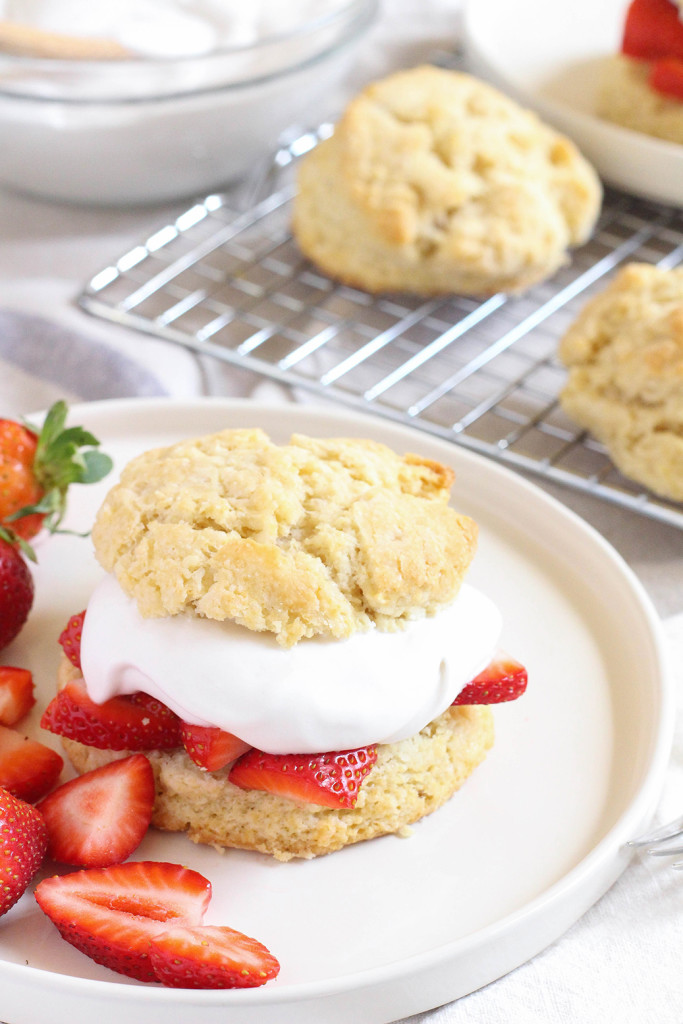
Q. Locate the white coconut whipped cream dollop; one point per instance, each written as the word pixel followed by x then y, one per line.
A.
pixel 375 687
pixel 168 28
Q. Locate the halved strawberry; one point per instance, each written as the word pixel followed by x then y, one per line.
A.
pixel 131 723
pixel 70 639
pixel 652 29
pixel 101 817
pixel 112 914
pixel 28 769
pixel 331 779
pixel 23 840
pixel 16 694
pixel 211 957
pixel 210 747
pixel 502 680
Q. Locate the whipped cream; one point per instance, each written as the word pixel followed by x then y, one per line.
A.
pixel 169 28
pixel 374 687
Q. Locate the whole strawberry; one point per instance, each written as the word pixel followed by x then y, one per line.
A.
pixel 23 842
pixel 16 592
pixel 37 468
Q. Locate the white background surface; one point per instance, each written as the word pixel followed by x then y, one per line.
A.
pixel 622 960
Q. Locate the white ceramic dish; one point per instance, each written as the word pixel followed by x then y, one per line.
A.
pixel 120 132
pixel 548 55
pixel 396 926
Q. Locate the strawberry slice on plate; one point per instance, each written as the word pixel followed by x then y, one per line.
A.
pixel 136 722
pixel 211 956
pixel 210 747
pixel 111 914
pixel 101 817
pixel 28 769
pixel 503 679
pixel 16 694
pixel 24 841
pixel 331 779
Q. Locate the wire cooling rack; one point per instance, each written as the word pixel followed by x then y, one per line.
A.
pixel 229 283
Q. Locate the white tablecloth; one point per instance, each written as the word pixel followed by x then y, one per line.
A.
pixel 622 961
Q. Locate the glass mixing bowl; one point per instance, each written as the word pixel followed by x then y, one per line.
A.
pixel 141 130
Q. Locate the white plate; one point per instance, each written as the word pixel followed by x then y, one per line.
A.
pixel 548 55
pixel 395 926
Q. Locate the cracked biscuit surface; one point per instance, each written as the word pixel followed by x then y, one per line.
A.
pixel 436 183
pixel 625 358
pixel 317 537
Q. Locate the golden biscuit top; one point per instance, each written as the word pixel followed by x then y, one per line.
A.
pixel 630 338
pixel 311 538
pixel 421 144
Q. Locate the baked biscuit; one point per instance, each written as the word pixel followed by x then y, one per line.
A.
pixel 410 779
pixel 311 538
pixel 625 358
pixel 626 99
pixel 435 183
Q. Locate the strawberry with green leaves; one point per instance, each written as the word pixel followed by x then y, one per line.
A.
pixel 37 467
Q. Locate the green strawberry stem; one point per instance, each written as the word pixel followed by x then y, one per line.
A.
pixel 64 456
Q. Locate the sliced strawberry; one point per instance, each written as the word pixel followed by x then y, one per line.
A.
pixel 210 747
pixel 101 817
pixel 332 779
pixel 211 957
pixel 122 723
pixel 502 680
pixel 112 914
pixel 23 840
pixel 28 769
pixel 16 694
pixel 652 29
pixel 70 639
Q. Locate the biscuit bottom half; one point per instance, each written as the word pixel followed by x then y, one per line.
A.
pixel 411 779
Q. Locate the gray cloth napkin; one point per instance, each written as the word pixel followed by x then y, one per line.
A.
pixel 41 361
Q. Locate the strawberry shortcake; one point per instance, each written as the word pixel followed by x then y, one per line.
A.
pixel 285 631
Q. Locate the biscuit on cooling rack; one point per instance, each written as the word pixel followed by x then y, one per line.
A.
pixel 625 358
pixel 435 183
pixel 626 99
